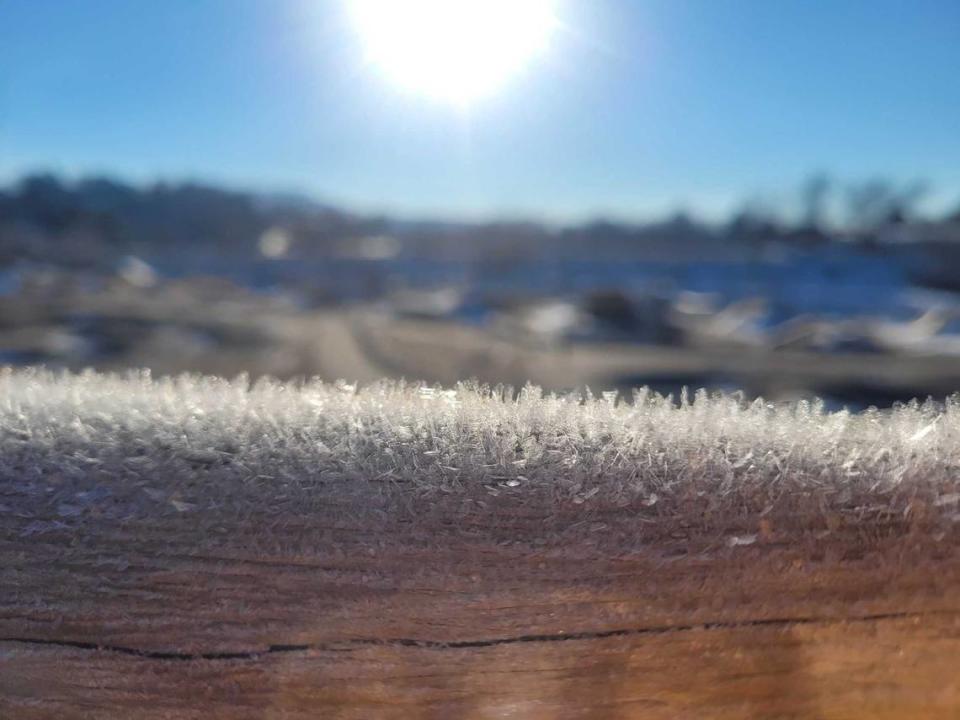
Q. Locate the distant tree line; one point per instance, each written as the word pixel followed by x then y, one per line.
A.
pixel 45 218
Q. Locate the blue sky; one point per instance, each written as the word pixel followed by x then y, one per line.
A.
pixel 639 107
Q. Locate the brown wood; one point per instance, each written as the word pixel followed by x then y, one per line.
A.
pixel 475 609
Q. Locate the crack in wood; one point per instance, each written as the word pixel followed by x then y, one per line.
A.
pixel 471 644
pixel 160 654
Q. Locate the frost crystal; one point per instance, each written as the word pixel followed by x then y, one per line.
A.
pixel 709 455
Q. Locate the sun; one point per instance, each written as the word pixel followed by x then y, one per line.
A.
pixel 453 50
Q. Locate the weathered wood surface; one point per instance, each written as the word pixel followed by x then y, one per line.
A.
pixel 466 613
pixel 199 548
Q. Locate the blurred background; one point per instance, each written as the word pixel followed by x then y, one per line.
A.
pixel 743 195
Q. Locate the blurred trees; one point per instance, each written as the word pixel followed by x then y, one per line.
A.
pixel 861 206
pixel 814 195
pixel 95 221
pixel 879 202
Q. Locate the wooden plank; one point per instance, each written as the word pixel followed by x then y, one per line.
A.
pixel 323 617
pixel 211 550
pixel 896 668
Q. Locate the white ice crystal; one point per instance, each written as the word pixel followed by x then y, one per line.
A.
pixel 720 452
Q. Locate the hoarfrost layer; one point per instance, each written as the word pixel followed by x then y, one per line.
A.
pixel 716 454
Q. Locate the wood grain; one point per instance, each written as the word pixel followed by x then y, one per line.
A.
pixel 340 614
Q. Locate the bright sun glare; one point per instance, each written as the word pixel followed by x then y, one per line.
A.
pixel 455 50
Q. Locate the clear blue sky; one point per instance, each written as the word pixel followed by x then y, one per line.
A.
pixel 640 106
